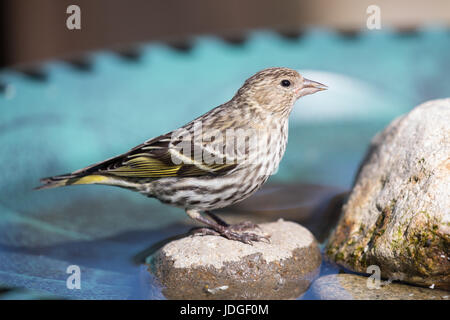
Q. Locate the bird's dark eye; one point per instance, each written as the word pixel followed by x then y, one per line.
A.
pixel 285 83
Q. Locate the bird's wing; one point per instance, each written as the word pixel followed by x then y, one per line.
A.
pixel 158 158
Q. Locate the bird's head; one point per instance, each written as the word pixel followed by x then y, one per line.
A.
pixel 277 89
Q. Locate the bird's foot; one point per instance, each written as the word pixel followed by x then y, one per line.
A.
pixel 232 233
pixel 244 226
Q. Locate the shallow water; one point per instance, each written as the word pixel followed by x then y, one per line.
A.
pixel 111 248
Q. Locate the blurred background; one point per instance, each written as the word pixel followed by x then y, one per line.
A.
pixel 35 30
pixel 136 69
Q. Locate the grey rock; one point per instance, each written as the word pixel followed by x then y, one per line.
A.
pixel 398 214
pixel 212 267
pixel 353 287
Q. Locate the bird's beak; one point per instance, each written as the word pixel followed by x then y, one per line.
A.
pixel 310 87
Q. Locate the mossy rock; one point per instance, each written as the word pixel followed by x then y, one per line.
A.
pixel 398 214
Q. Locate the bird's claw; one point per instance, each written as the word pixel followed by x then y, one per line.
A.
pixel 231 234
pixel 204 232
pixel 244 226
pixel 245 237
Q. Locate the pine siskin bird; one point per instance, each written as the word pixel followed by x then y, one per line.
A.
pixel 214 161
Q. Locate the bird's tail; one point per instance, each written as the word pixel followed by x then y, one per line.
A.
pixel 71 179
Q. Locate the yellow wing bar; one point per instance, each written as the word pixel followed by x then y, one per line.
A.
pixel 146 167
pixel 149 167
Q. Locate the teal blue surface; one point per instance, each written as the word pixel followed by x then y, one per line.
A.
pixel 75 118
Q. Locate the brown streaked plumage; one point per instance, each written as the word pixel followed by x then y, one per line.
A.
pixel 218 159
